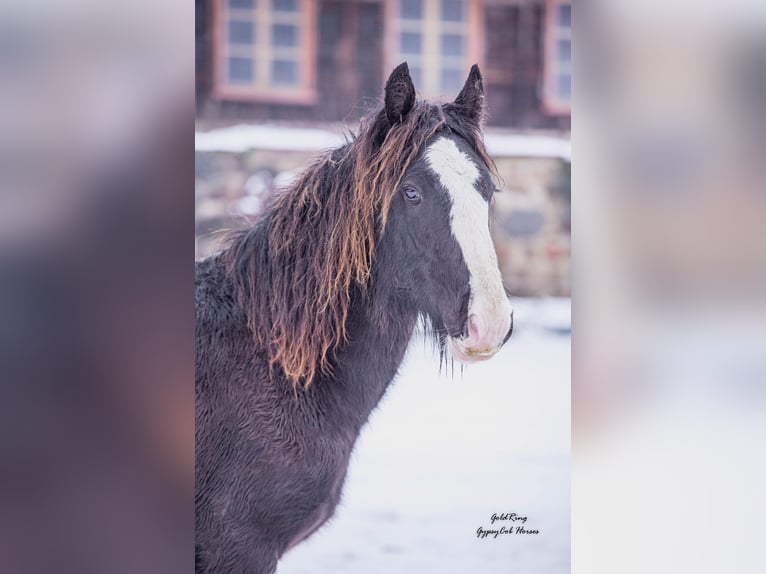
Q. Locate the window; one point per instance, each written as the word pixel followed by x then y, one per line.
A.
pixel 558 57
pixel 265 50
pixel 439 39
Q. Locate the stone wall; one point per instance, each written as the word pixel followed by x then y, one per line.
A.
pixel 530 223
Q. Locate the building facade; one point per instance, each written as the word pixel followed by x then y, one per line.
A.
pixel 327 60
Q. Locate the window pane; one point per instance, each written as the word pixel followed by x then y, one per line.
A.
pixel 240 71
pixel 285 5
pixel 565 15
pixel 240 32
pixel 241 3
pixel 451 82
pixel 412 43
pixel 452 45
pixel 452 10
pixel 284 35
pixel 565 50
pixel 564 86
pixel 412 9
pixel 284 72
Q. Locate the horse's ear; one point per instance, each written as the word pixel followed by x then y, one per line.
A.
pixel 399 94
pixel 469 103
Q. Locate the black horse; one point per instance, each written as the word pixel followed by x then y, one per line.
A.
pixel 304 318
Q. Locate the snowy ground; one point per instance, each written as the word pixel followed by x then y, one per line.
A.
pixel 441 454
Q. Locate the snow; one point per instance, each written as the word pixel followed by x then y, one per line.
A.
pixel 245 137
pixel 528 145
pixel 443 452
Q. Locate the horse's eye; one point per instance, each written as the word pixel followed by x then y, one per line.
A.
pixel 412 194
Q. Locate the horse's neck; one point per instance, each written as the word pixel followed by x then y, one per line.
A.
pixel 379 332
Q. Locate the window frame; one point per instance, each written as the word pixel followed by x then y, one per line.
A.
pixel 552 103
pixel 304 93
pixel 474 33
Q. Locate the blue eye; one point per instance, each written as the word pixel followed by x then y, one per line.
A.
pixel 412 195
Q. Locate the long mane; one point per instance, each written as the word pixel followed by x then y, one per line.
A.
pixel 318 240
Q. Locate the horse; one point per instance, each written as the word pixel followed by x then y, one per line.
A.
pixel 303 318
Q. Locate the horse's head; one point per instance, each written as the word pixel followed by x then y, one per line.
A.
pixel 438 222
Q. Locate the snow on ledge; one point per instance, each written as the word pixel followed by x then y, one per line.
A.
pixel 528 145
pixel 242 138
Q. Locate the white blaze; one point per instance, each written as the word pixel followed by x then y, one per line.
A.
pixel 470 227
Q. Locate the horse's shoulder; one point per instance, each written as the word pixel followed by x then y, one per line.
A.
pixel 215 303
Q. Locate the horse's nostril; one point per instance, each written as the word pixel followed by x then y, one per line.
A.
pixel 510 331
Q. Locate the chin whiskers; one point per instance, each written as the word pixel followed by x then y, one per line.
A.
pixel 438 339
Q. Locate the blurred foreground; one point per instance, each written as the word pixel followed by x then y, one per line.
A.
pixel 96 297
pixel 669 377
